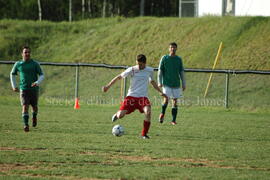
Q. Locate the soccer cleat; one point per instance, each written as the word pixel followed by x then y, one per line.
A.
pixel 114 117
pixel 173 123
pixel 26 128
pixel 34 122
pixel 145 137
pixel 161 118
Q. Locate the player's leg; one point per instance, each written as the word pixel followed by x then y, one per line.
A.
pixel 127 106
pixel 25 117
pixel 176 94
pixel 119 114
pixel 164 105
pixel 146 122
pixel 34 115
pixel 24 97
pixel 34 104
pixel 174 111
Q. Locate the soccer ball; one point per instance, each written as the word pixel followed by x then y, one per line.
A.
pixel 118 130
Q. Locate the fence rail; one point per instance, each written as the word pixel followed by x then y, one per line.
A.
pixel 227 73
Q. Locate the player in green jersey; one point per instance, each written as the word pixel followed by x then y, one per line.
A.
pixel 31 75
pixel 170 73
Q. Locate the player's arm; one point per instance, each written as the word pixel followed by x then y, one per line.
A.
pixel 40 78
pixel 182 75
pixel 38 82
pixel 154 84
pixel 160 77
pixel 13 74
pixel 107 87
pixel 13 82
pixel 160 73
pixel 183 79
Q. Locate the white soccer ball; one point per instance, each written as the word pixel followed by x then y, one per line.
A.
pixel 118 130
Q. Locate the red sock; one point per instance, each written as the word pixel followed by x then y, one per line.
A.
pixel 146 126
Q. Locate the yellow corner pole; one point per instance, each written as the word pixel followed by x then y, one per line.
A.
pixel 214 66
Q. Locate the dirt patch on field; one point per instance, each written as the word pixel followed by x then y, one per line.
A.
pixel 190 162
pixel 17 166
pixel 6 169
pixel 21 149
pixel 133 158
pixel 88 153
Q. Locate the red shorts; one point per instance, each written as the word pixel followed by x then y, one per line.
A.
pixel 132 103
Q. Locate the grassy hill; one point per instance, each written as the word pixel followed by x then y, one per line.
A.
pixel 118 40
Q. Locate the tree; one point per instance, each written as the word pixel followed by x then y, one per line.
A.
pixel 142 8
pixel 83 8
pixel 39 10
pixel 70 10
pixel 104 8
pixel 180 8
pixel 89 4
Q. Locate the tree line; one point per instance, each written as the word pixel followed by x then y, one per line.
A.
pixel 69 10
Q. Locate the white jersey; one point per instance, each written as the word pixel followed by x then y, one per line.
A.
pixel 139 80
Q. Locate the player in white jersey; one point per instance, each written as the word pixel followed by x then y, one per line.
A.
pixel 137 97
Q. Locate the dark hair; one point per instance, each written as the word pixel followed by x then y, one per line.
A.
pixel 173 44
pixel 26 47
pixel 141 58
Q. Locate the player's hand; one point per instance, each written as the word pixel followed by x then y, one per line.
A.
pixel 160 85
pixel 183 88
pixel 105 88
pixel 15 89
pixel 34 84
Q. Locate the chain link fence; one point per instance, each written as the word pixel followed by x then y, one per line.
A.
pixel 228 88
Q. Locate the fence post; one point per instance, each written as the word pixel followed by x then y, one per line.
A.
pixel 77 106
pixel 227 89
pixel 125 87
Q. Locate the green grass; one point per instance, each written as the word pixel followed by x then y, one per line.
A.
pixel 207 143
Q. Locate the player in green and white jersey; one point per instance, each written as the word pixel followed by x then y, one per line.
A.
pixel 170 73
pixel 31 75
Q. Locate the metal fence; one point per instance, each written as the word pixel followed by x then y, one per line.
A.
pixel 84 81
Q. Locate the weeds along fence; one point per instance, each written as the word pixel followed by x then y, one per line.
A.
pixel 66 81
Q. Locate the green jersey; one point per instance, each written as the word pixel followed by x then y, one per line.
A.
pixel 171 68
pixel 29 71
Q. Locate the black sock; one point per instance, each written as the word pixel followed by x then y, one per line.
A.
pixel 174 113
pixel 163 110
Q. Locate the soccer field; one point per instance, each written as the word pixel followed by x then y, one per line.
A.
pixel 207 143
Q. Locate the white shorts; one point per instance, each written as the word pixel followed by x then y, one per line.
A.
pixel 172 92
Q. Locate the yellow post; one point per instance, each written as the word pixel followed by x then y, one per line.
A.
pixel 214 66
